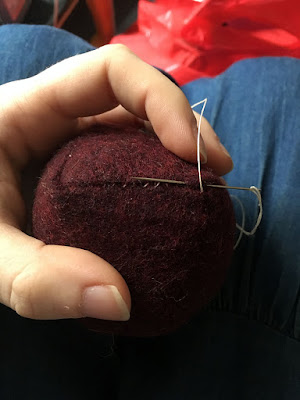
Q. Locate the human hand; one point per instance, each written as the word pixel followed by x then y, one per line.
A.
pixel 51 282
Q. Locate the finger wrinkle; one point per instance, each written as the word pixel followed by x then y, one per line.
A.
pixel 13 147
pixel 21 297
pixel 12 207
pixel 8 173
pixel 109 92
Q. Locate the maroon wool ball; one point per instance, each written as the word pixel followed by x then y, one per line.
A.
pixel 171 243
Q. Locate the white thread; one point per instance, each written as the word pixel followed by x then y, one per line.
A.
pixel 242 230
pixel 198 139
pixel 254 190
pixel 243 220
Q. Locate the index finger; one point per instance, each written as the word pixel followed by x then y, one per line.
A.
pixel 44 110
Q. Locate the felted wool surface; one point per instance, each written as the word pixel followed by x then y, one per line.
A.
pixel 170 242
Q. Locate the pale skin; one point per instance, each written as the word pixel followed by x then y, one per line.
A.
pixel 108 85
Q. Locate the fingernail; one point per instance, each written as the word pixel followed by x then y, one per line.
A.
pixel 224 149
pixel 104 302
pixel 202 145
pixel 203 151
pixel 223 181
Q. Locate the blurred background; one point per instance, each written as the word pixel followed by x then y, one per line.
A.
pixel 94 20
pixel 188 39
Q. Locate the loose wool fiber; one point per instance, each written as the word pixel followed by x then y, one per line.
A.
pixel 170 242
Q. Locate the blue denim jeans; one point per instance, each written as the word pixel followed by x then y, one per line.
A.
pixel 245 344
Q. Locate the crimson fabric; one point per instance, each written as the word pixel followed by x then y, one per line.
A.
pixel 170 242
pixel 194 39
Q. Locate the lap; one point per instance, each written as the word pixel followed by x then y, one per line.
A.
pixel 26 50
pixel 254 107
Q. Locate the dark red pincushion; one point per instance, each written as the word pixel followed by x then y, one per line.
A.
pixel 171 243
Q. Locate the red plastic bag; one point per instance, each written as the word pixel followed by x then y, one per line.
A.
pixel 196 38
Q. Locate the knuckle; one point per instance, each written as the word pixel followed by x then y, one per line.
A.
pixel 119 47
pixel 22 293
pixel 114 51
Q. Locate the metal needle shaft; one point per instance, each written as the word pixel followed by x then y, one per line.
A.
pixel 140 178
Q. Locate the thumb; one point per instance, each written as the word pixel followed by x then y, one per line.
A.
pixel 52 282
